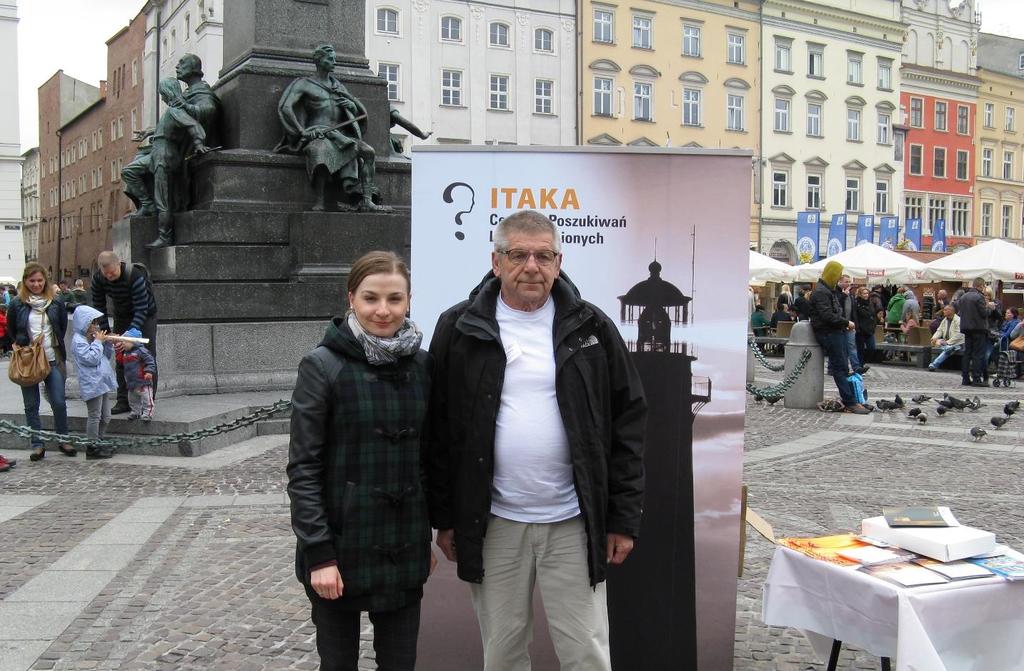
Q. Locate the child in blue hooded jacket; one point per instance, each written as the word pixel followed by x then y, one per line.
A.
pixel 91 353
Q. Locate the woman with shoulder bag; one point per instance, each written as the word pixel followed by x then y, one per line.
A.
pixel 358 506
pixel 36 312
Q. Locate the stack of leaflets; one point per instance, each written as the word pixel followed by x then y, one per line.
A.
pixel 906 574
pixel 826 548
pixel 1009 565
pixel 954 570
pixel 873 556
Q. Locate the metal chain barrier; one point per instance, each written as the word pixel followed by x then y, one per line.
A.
pixel 759 355
pixel 774 392
pixel 258 415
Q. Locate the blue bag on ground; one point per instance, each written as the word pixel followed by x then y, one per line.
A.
pixel 857 382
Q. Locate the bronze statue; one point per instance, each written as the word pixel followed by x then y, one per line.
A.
pixel 156 180
pixel 400 121
pixel 322 120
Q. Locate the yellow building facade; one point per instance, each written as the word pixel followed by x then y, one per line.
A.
pixel 999 186
pixel 681 73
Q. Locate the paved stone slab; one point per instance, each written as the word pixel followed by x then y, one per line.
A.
pixel 118 533
pixel 19 655
pixel 96 558
pixel 13 505
pixel 52 585
pixel 36 621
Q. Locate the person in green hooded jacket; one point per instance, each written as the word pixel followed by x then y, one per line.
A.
pixel 894 310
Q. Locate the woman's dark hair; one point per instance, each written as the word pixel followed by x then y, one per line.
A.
pixel 376 263
pixel 1015 312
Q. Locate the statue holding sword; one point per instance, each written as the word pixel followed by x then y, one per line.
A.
pixel 326 123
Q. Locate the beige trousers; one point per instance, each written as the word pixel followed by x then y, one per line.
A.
pixel 517 556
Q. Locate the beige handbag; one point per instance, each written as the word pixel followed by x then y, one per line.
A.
pixel 28 365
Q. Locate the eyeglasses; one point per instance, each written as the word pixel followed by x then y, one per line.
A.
pixel 543 257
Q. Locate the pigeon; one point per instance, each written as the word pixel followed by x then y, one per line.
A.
pixel 998 421
pixel 978 433
pixel 946 403
pixel 914 412
pixel 921 398
pixel 957 403
pixel 884 405
pixel 922 418
pixel 898 401
pixel 941 410
pixel 1008 409
pixel 976 404
pixel 1015 405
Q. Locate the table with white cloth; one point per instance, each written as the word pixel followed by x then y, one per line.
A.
pixel 965 625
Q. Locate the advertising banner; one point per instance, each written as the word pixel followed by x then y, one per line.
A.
pixel 836 235
pixel 889 232
pixel 913 235
pixel 865 228
pixel 628 220
pixel 808 236
pixel 939 236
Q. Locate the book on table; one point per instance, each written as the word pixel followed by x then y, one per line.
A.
pixel 955 570
pixel 826 548
pixel 1009 566
pixel 905 574
pixel 919 516
pixel 873 556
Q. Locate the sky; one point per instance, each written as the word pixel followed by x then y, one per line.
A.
pixel 86 25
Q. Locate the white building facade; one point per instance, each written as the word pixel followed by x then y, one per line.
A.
pixel 12 250
pixel 175 28
pixel 829 99
pixel 30 203
pixel 497 73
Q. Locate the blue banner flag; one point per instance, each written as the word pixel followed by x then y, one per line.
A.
pixel 808 236
pixel 939 236
pixel 913 235
pixel 888 232
pixel 836 235
pixel 865 228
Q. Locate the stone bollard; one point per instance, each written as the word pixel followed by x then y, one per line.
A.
pixel 750 359
pixel 808 389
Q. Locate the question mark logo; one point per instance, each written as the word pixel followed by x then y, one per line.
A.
pixel 448 198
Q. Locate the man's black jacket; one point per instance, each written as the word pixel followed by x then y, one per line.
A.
pixel 973 310
pixel 826 313
pixel 602 405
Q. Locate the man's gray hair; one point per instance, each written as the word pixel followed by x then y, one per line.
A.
pixel 107 258
pixel 528 222
pixel 978 283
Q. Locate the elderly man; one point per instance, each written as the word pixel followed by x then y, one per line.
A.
pixel 535 471
pixel 973 309
pixel 948 338
pixel 830 328
pixel 134 308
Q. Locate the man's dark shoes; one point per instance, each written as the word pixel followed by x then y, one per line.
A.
pixel 120 408
pixel 979 383
pixel 67 450
pixel 856 409
pixel 37 455
pixel 862 369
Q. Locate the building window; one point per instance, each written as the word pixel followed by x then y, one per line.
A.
pixel 783 55
pixel 854 68
pixel 961 214
pixel 543 96
pixel 498 35
pixel 603 26
pixel 642 32
pixel 853 125
pixel 135 121
pixel 881 196
pixel 544 40
pixel 940 115
pixel 1020 61
pixel 961 164
pixel 939 162
pixel 734 112
pixel 813 192
pixel 986 162
pixel 1007 165
pixel 913 207
pixel 814 119
pixel 936 211
pixel 499 92
pixel 602 96
pixel 884 121
pixel 986 219
pixel 1010 119
pixel 451 29
pixel 389 73
pixel 962 119
pixel 99 138
pixel 782 115
pixel 816 60
pixel 916 159
pixel 451 87
pixel 917 112
pixel 691 107
pixel 135 72
pixel 735 49
pixel 120 126
pixel 990 115
pixel 387 21
pixel 853 194
pixel 780 188
pixel 642 101
pixel 884 74
pixel 691 40
pixel 1007 218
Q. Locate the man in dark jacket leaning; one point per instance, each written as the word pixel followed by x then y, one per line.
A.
pixel 535 471
pixel 830 327
pixel 973 310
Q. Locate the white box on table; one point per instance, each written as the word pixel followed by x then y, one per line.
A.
pixel 942 543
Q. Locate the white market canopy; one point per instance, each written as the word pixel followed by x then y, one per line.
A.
pixel 766 269
pixel 876 265
pixel 992 260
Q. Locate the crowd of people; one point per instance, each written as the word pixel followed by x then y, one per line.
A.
pixel 37 313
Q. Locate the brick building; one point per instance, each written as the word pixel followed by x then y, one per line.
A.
pixel 85 138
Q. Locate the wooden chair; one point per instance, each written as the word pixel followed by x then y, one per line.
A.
pixel 879 334
pixel 783 329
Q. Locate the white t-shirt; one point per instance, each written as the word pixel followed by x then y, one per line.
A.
pixel 533 479
pixel 35 323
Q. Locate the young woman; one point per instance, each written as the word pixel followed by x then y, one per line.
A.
pixel 37 311
pixel 358 508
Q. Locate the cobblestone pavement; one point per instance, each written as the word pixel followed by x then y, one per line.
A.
pixel 154 564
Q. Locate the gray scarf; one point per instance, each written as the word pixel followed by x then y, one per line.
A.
pixel 380 351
